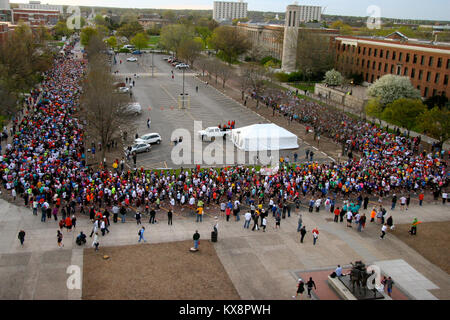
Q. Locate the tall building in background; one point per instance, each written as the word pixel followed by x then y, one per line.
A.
pixel 36 5
pixel 227 10
pixel 4 5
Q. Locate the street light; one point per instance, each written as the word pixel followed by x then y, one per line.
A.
pixel 182 98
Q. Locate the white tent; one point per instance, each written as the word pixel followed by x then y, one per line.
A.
pixel 267 136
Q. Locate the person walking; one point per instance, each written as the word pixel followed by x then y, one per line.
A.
pixel 59 237
pixel 390 222
pixel 196 238
pixel 148 123
pixel 383 231
pixel 95 243
pixel 394 201
pixel 388 285
pixel 264 224
pixel 169 217
pixel 74 221
pixel 255 220
pixel 277 221
pixel 200 214
pixel 123 213
pixel 141 234
pixel 362 222
pixel 21 237
pixel 315 233
pixel 68 223
pixel 421 196
pixel 300 288
pixel 300 222
pixel 302 233
pixel 413 230
pixel 336 214
pixel 310 284
pixel 248 218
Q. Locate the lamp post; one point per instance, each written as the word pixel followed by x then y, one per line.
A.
pixel 182 99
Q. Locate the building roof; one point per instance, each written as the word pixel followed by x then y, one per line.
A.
pixel 408 42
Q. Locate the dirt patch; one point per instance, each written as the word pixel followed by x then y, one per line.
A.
pixel 162 271
pixel 432 241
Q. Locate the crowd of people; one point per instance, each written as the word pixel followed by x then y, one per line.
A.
pixel 46 164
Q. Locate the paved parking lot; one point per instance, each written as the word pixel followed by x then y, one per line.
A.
pixel 158 97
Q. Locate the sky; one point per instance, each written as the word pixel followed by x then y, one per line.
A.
pixel 402 9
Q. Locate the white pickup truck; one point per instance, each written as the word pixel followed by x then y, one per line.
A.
pixel 212 133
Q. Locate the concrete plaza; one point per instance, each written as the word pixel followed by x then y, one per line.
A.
pixel 261 265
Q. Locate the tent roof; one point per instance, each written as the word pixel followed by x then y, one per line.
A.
pixel 264 130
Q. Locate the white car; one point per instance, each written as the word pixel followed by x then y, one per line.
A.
pixel 149 138
pixel 128 46
pixel 133 108
pixel 132 59
pixel 213 133
pixel 123 90
pixel 182 66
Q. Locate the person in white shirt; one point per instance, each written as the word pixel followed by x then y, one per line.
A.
pixel 402 203
pixel 248 218
pixel 349 219
pixel 444 197
pixel 383 231
pixel 264 224
pixel 95 242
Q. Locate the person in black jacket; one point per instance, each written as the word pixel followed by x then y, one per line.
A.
pixel 21 236
pixel 196 239
pixel 303 233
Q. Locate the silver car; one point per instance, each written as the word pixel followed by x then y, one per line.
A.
pixel 141 147
pixel 149 138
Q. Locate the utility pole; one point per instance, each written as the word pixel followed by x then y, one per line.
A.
pixel 183 91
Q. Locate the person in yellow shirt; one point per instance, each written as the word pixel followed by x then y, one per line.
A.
pixel 199 214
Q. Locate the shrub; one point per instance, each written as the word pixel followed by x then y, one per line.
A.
pixel 282 77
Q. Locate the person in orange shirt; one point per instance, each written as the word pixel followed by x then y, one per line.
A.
pixel 372 215
pixel 336 214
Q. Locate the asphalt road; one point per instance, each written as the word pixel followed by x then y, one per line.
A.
pixel 159 98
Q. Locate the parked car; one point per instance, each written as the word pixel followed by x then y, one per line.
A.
pixel 212 133
pixel 133 108
pixel 167 58
pixel 128 46
pixel 182 66
pixel 140 147
pixel 149 138
pixel 132 59
pixel 137 52
pixel 123 90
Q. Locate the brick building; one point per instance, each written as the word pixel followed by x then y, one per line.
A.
pixel 35 17
pixel 426 64
pixel 4 30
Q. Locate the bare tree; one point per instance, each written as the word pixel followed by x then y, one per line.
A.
pixel 105 110
pixel 203 63
pixel 214 68
pixel 255 78
pixel 225 73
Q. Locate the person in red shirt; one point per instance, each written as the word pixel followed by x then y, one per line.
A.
pixel 336 214
pixel 68 223
pixel 421 196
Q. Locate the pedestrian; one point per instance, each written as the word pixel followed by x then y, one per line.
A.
pixel 300 222
pixel 277 221
pixel 123 213
pixel 302 233
pixel 264 224
pixel 200 214
pixel 74 221
pixel 152 216
pixel 68 224
pixel 421 196
pixel 248 218
pixel 61 224
pixel 444 197
pixel 21 237
pixel 300 288
pixel 315 233
pixel 148 123
pixel 388 284
pixel 138 217
pixel 255 220
pixel 413 230
pixel 95 243
pixel 196 89
pixel 94 228
pixel 336 214
pixel 383 231
pixel 373 214
pixel 402 203
pixel 59 237
pixel 390 222
pixel 394 201
pixel 366 202
pixel 310 284
pixel 169 217
pixel 362 222
pixel 141 234
pixel 196 239
pixel 349 219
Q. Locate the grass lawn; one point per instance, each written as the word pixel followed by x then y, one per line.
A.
pixel 153 41
pixel 305 86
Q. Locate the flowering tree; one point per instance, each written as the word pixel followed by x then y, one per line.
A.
pixel 391 87
pixel 333 78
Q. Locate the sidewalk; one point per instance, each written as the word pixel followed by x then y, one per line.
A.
pixel 255 261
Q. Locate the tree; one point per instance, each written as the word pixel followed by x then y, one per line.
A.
pixel 61 30
pixel 112 42
pixel 438 100
pixel 391 87
pixel 140 41
pixel 333 78
pixel 204 33
pixel 104 109
pixel 86 34
pixel 230 41
pixel 435 123
pixel 225 73
pixel 203 64
pixel 404 112
pixel 129 30
pixel 374 108
pixel 173 35
pixel 314 56
pixel 102 31
pixel 189 50
pixel 254 78
pixel 100 21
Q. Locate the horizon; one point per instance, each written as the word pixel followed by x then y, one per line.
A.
pixel 435 10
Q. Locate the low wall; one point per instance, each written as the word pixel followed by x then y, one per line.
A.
pixel 354 103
